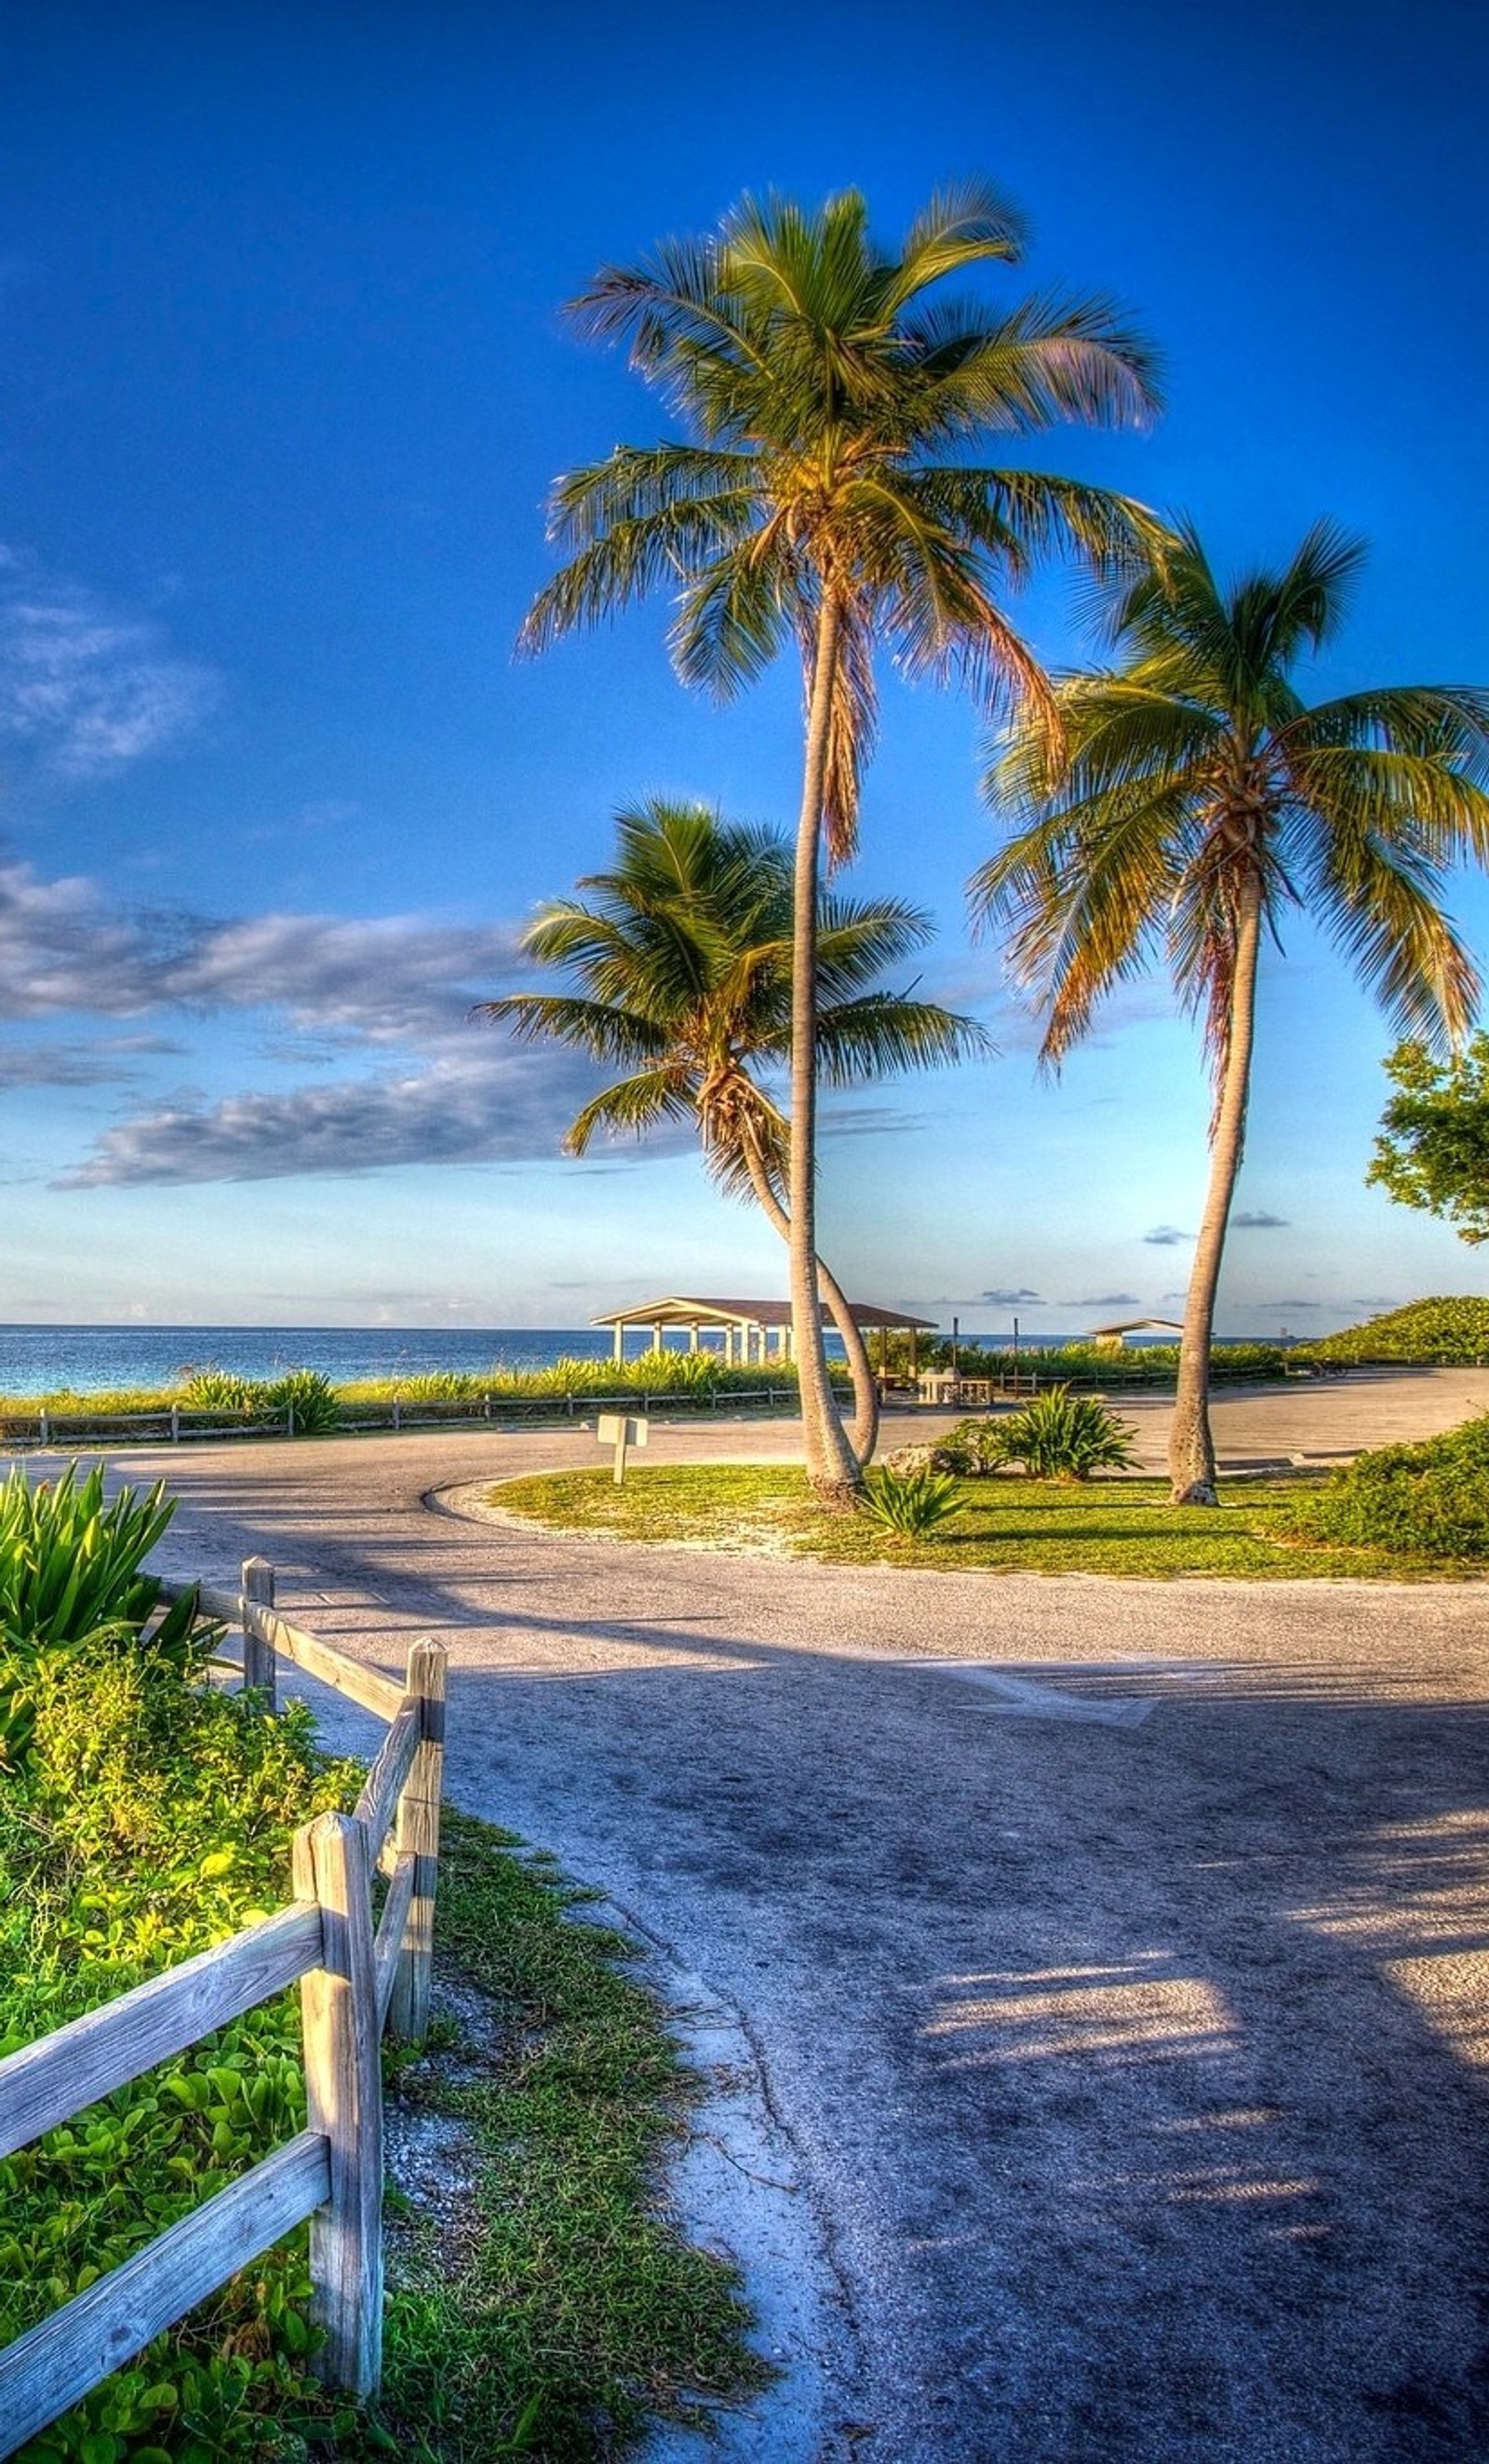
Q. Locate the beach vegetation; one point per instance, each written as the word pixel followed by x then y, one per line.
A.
pixel 1427 1500
pixel 1187 797
pixel 1443 1332
pixel 680 963
pixel 817 501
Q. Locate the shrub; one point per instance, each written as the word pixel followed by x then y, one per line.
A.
pixel 1429 1500
pixel 312 1397
pixel 1060 1436
pixel 222 1390
pixel 910 1504
pixel 975 1447
pixel 1439 1333
pixel 70 1576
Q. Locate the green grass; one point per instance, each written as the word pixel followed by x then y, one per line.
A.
pixel 576 2310
pixel 552 2310
pixel 1003 1524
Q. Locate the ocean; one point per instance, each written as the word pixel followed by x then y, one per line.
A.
pixel 92 1360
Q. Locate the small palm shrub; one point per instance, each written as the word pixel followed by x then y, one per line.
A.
pixel 910 1504
pixel 1060 1436
pixel 311 1397
pixel 222 1390
pixel 71 1576
pixel 1429 1500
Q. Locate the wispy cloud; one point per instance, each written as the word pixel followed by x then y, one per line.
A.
pixel 1104 1300
pixel 493 1104
pixel 1257 1220
pixel 1023 1298
pixel 1167 1236
pixel 86 687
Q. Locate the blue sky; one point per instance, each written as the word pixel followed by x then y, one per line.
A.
pixel 284 382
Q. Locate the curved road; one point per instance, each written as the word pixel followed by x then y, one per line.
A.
pixel 1120 1986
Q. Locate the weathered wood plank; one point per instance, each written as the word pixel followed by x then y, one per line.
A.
pixel 258 1651
pixel 343 2089
pixel 378 1802
pixel 214 1603
pixel 419 1833
pixel 365 1685
pixel 50 2081
pixel 45 2371
pixel 392 1928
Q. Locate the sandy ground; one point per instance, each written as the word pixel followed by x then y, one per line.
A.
pixel 1100 1968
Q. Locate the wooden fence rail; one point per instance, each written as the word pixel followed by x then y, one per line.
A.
pixel 354 1977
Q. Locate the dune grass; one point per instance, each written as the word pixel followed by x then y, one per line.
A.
pixel 1002 1525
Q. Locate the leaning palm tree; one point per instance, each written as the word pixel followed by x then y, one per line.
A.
pixel 683 957
pixel 1196 795
pixel 818 498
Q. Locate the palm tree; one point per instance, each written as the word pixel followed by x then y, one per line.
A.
pixel 684 957
pixel 1198 796
pixel 816 499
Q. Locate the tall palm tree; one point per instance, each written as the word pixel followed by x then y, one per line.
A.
pixel 817 498
pixel 1194 797
pixel 684 959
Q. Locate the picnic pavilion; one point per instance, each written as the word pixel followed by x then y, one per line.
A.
pixel 744 1328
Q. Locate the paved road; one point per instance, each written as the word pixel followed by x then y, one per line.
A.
pixel 1121 1986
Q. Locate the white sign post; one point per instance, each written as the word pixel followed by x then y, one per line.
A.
pixel 614 1429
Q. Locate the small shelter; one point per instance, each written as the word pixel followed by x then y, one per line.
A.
pixel 1112 1338
pixel 744 1327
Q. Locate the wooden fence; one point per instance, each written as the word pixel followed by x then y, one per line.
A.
pixel 354 1975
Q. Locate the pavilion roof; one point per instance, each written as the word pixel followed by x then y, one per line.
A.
pixel 690 1310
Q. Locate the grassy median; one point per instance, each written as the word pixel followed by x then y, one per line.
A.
pixel 1003 1524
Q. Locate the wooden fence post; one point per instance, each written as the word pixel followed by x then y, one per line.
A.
pixel 419 1831
pixel 344 2090
pixel 258 1652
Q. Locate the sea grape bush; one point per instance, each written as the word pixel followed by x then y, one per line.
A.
pixel 1441 1332
pixel 1428 1501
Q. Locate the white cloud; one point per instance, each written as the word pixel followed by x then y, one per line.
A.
pixel 491 1104
pixel 90 689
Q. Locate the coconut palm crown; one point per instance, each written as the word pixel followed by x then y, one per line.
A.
pixel 683 951
pixel 819 497
pixel 1191 797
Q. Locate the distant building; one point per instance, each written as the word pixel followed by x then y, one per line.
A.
pixel 1111 1339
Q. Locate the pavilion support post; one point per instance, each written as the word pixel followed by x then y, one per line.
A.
pixel 620 1337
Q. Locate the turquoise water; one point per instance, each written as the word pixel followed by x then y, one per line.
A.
pixel 40 1359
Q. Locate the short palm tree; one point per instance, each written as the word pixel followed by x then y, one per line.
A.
pixel 1194 796
pixel 683 954
pixel 818 499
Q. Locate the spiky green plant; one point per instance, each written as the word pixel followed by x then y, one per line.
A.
pixel 1060 1436
pixel 910 1504
pixel 311 1398
pixel 72 1574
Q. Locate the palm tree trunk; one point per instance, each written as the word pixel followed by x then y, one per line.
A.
pixel 864 1436
pixel 1191 1467
pixel 830 1466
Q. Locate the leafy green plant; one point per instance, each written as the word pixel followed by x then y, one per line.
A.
pixel 1060 1436
pixel 222 1390
pixel 1429 1500
pixel 1441 1331
pixel 311 1398
pixel 72 1576
pixel 910 1504
pixel 975 1447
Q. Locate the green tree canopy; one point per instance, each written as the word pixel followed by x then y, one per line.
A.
pixel 1432 1151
